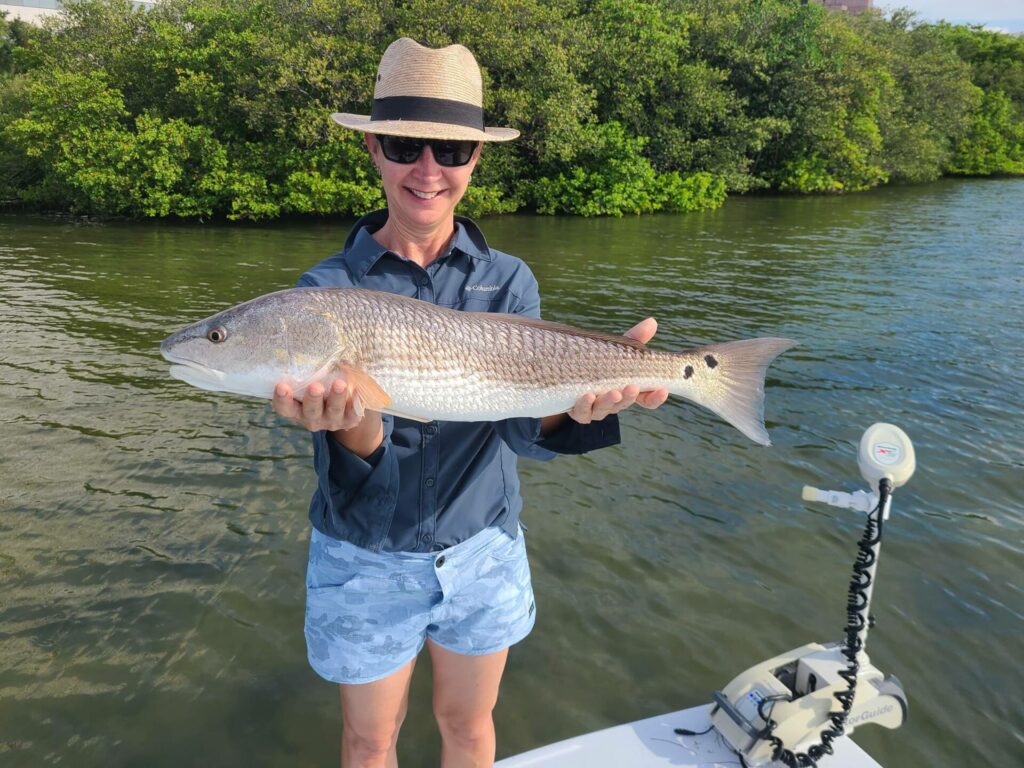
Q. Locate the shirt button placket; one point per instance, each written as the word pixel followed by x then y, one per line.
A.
pixel 427 437
pixel 428 496
pixel 425 291
pixel 428 492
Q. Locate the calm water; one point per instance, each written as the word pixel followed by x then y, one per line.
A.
pixel 153 537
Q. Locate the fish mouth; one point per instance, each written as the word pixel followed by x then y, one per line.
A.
pixel 196 375
pixel 192 372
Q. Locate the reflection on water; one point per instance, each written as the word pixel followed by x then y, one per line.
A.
pixel 152 536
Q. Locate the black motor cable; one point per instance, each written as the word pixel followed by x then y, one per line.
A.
pixel 856 621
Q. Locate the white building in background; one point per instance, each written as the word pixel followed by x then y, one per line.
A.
pixel 34 10
pixel 29 10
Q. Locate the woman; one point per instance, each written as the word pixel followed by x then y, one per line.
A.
pixel 416 537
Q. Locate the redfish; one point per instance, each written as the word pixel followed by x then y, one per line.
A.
pixel 416 360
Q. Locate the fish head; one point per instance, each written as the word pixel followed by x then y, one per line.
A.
pixel 247 349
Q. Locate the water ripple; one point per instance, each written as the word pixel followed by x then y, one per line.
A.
pixel 152 537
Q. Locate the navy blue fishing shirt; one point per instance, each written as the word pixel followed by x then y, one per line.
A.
pixel 430 486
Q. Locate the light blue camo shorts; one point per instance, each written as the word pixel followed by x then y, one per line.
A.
pixel 368 614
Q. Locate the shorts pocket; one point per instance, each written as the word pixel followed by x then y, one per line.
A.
pixel 332 564
pixel 508 549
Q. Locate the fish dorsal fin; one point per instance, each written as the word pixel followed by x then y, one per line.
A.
pixel 547 325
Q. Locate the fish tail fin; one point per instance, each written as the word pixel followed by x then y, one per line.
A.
pixel 728 379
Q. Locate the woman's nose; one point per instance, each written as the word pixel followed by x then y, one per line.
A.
pixel 426 163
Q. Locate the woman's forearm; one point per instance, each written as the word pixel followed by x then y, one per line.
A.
pixel 364 438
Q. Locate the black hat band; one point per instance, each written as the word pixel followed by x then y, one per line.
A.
pixel 428 110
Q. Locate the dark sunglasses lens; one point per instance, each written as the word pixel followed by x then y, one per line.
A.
pixel 452 153
pixel 401 150
pixel 447 153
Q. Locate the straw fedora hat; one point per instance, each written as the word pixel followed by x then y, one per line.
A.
pixel 427 93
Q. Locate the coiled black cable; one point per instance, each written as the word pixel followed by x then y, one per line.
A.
pixel 856 621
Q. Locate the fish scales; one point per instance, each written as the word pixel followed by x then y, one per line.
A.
pixel 459 360
pixel 430 362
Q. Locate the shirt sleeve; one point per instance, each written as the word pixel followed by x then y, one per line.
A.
pixel 523 436
pixel 352 486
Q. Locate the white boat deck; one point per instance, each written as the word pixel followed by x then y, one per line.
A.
pixel 653 743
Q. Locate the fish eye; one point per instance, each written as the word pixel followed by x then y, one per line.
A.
pixel 218 334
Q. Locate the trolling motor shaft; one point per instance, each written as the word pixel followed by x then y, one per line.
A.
pixel 791 708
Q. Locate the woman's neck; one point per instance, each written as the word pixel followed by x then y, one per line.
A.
pixel 420 246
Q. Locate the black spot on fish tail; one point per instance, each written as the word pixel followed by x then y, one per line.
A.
pixel 710 360
pixel 688 372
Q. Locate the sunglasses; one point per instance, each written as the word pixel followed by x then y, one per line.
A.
pixel 447 152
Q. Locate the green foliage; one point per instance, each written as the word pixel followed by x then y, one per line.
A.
pixel 654 71
pixel 996 59
pixel 932 99
pixel 994 140
pixel 994 143
pixel 697 192
pixel 201 108
pixel 6 45
pixel 614 177
pixel 16 39
pixel 86 152
pixel 482 200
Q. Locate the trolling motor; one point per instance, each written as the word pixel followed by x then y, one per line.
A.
pixel 789 709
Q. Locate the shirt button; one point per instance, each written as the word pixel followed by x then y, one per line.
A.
pixel 430 429
pixel 427 538
pixel 439 562
pixel 424 280
pixel 429 482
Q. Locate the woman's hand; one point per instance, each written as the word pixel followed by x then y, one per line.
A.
pixel 594 407
pixel 337 410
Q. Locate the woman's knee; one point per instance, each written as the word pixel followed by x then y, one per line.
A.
pixel 465 727
pixel 370 741
pixel 370 735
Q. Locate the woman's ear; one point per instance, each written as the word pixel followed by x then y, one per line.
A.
pixel 373 147
pixel 476 157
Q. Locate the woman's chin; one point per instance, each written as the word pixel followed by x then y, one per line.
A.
pixel 427 210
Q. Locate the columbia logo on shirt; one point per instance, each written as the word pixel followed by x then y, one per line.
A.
pixel 482 287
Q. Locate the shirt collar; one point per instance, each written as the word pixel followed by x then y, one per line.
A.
pixel 362 251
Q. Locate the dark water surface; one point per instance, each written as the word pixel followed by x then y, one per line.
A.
pixel 153 537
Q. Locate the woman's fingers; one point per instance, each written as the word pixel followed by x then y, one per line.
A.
pixel 331 408
pixel 336 403
pixel 583 410
pixel 643 331
pixel 313 404
pixel 591 407
pixel 284 404
pixel 604 404
pixel 614 401
pixel 655 398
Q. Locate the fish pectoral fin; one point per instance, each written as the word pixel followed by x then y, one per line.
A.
pixel 370 393
pixel 401 415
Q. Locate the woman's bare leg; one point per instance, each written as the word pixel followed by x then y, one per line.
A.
pixel 465 692
pixel 372 714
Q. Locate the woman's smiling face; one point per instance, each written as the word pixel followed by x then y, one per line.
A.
pixel 422 194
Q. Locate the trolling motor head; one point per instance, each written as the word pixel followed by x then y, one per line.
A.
pixel 886 452
pixel 792 707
